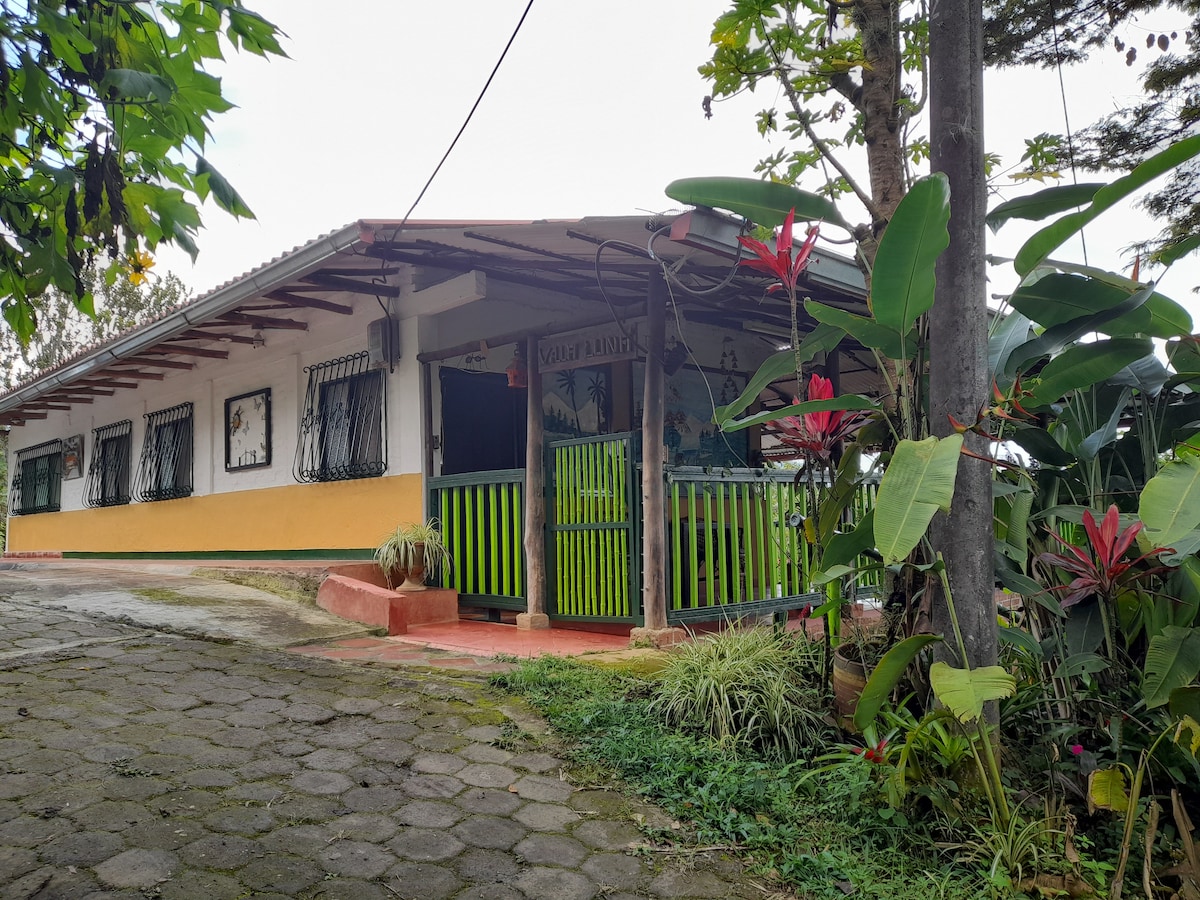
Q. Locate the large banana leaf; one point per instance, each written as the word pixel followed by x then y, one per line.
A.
pixel 918 482
pixel 1047 202
pixel 1164 310
pixel 902 278
pixel 866 331
pixel 762 202
pixel 1041 445
pixel 1107 790
pixel 1055 339
pixel 1172 661
pixel 1042 244
pixel 965 691
pixel 1057 298
pixel 1169 506
pixel 1084 365
pixel 1011 333
pixel 887 675
pixel 843 549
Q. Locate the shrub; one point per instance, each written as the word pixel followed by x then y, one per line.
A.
pixel 757 687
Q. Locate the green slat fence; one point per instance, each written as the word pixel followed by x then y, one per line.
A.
pixel 733 539
pixel 483 522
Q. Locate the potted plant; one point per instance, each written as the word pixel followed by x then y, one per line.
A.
pixel 410 553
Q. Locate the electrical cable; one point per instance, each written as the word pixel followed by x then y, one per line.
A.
pixel 1062 90
pixel 466 121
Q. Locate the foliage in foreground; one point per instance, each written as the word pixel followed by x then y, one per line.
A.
pixel 818 829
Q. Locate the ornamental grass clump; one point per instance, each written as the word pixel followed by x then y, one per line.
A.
pixel 752 687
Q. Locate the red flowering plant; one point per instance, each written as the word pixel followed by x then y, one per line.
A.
pixel 819 433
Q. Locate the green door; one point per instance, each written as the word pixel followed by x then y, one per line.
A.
pixel 592 531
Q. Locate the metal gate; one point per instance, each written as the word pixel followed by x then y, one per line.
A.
pixel 593 534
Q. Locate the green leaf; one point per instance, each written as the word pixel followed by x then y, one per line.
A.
pixel 823 338
pixel 1012 332
pixel 1176 250
pixel 1053 235
pixel 1048 202
pixel 1172 661
pixel 132 85
pixel 844 402
pixel 227 198
pixel 1085 365
pixel 1056 298
pixel 1041 445
pixel 918 482
pixel 843 549
pixel 965 691
pixel 1106 790
pixel 902 280
pixel 1185 701
pixel 866 331
pixel 887 675
pixel 1022 640
pixel 762 202
pixel 1169 506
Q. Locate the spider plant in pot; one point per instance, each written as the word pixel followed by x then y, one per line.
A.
pixel 411 553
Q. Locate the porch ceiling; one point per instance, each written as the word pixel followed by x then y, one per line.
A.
pixel 601 264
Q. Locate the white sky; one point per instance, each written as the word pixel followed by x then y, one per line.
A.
pixel 595 110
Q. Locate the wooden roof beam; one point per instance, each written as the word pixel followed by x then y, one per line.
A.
pixel 108 382
pixel 71 398
pixel 183 350
pixel 160 363
pixel 291 299
pixel 61 406
pixel 349 285
pixel 264 322
pixel 141 376
pixel 199 335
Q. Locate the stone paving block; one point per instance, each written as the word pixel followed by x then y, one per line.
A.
pixel 551 850
pixel 138 868
pixel 488 775
pixel 546 816
pixel 330 760
pixel 81 848
pixel 362 827
pixel 207 778
pixel 208 885
pixel 225 852
pixel 162 834
pixel 425 845
pixel 437 741
pixel 489 801
pixel 605 834
pixel 240 820
pixel 539 787
pixel 491 892
pixel 357 706
pixel 485 753
pixel 489 832
pixel 694 885
pixel 59 884
pixel 303 840
pixel 16 861
pixel 324 783
pixel 538 763
pixel 554 884
pixel 353 889
pixel 614 870
pixel 356 859
pixel 280 873
pixel 429 814
pixel 433 787
pixel 382 798
pixel 432 881
pixel 108 815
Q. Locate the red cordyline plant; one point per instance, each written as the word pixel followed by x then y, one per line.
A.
pixel 818 433
pixel 1101 570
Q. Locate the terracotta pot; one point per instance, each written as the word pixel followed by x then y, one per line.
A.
pixel 849 679
pixel 414 576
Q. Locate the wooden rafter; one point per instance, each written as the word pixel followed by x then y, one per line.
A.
pixel 189 351
pixel 71 398
pixel 141 376
pixel 265 322
pixel 160 363
pixel 108 382
pixel 337 282
pixel 290 299
pixel 199 335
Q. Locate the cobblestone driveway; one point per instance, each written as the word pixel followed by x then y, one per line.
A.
pixel 135 764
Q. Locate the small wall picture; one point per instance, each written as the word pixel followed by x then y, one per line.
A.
pixel 248 431
pixel 72 461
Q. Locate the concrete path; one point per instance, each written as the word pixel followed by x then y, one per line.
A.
pixel 173 600
pixel 137 764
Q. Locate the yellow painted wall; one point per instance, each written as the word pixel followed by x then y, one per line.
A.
pixel 337 515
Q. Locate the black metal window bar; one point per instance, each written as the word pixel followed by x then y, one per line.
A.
pixel 343 429
pixel 165 468
pixel 37 483
pixel 108 474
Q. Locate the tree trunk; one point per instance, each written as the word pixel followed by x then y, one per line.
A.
pixel 958 383
pixel 654 536
pixel 878 24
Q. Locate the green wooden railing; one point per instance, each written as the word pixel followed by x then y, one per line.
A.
pixel 593 531
pixel 483 521
pixel 734 543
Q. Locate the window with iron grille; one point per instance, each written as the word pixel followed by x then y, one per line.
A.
pixel 342 431
pixel 108 474
pixel 37 483
pixel 165 468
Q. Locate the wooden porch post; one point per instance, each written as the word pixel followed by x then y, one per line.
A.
pixel 654 537
pixel 535 497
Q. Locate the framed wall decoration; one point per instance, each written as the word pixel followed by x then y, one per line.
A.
pixel 72 461
pixel 248 431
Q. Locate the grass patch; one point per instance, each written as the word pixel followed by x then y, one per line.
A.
pixel 824 831
pixel 163 595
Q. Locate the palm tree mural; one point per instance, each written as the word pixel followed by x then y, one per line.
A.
pixel 566 382
pixel 598 393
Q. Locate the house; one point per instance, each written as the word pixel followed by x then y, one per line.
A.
pixel 381 374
